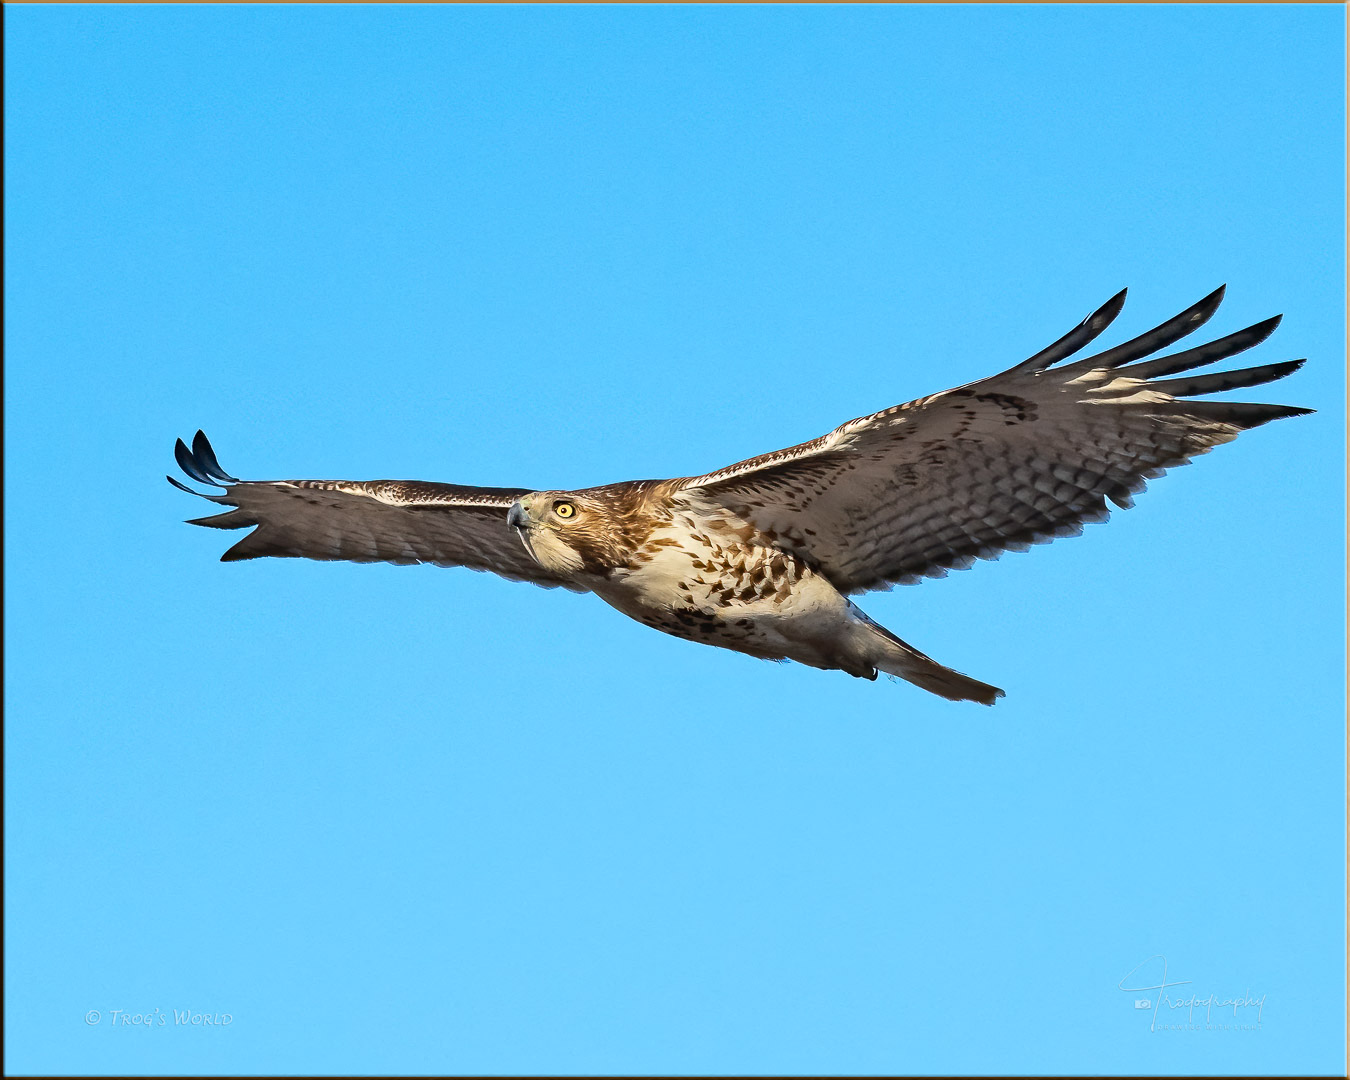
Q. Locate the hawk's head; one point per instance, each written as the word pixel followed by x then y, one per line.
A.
pixel 572 532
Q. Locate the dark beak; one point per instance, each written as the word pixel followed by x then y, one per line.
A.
pixel 516 516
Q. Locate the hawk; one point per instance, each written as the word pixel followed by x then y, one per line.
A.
pixel 762 556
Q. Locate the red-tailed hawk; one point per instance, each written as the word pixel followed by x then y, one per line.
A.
pixel 761 556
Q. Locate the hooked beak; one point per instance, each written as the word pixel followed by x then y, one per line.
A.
pixel 520 521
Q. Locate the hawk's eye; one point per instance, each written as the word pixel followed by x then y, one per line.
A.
pixel 565 510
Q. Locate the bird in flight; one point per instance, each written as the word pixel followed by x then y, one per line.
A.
pixel 762 556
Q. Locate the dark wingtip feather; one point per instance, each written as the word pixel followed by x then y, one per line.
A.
pixel 1242 415
pixel 188 464
pixel 1197 314
pixel 1256 415
pixel 1175 328
pixel 231 519
pixel 1216 381
pixel 1203 309
pixel 205 457
pixel 223 499
pixel 1076 338
pixel 1209 353
pixel 1102 318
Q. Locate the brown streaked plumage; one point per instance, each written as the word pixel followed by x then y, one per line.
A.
pixel 761 556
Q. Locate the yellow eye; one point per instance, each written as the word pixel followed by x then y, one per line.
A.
pixel 565 510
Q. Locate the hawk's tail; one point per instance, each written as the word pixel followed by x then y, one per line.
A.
pixel 896 657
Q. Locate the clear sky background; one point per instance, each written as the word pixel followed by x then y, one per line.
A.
pixel 421 820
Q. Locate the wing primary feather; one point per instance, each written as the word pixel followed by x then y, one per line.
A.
pixel 1239 414
pixel 189 465
pixel 1174 329
pixel 1076 338
pixel 205 457
pixel 1201 355
pixel 1225 380
pixel 200 494
pixel 241 551
pixel 231 519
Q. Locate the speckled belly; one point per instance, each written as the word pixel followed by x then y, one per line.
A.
pixel 754 600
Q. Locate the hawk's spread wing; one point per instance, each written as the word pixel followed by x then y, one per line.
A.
pixel 397 521
pixel 1019 458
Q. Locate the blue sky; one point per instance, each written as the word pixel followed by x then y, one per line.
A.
pixel 421 820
